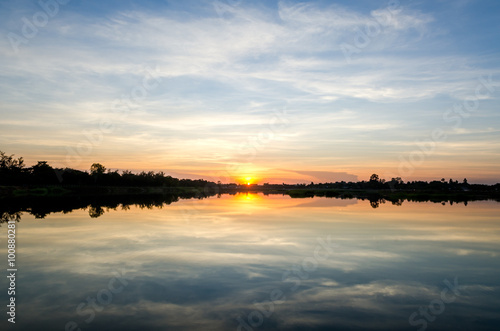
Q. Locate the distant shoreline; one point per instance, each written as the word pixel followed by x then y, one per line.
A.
pixel 395 195
pixel 42 180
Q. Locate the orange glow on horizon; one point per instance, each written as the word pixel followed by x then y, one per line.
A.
pixel 248 180
pixel 275 173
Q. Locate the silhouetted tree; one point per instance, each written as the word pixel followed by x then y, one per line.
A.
pixel 97 169
pixel 8 162
pixel 11 170
pixel 43 173
pixel 41 168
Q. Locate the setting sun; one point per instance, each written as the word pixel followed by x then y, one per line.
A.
pixel 248 180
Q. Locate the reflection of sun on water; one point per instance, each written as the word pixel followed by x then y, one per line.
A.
pixel 248 197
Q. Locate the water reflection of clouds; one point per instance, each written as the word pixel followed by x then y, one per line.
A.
pixel 206 273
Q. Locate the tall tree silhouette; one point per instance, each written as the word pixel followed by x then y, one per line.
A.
pixel 97 169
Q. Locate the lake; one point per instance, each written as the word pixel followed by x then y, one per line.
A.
pixel 257 262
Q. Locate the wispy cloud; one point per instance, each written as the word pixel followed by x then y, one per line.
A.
pixel 223 76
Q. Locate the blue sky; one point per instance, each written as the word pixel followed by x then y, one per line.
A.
pixel 274 90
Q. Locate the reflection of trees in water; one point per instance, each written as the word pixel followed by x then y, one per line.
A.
pixel 376 200
pixel 95 212
pixel 40 207
pixel 375 203
pixel 399 202
pixel 6 217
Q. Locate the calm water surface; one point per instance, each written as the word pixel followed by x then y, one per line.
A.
pixel 255 262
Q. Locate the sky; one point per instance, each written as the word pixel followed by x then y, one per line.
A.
pixel 275 91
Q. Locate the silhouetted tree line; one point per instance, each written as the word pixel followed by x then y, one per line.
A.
pixel 397 184
pixel 14 172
